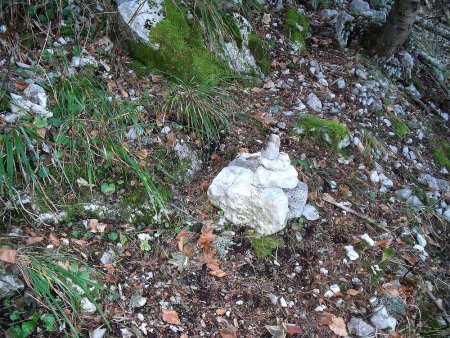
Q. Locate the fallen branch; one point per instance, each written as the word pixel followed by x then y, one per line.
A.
pixel 329 199
pixel 440 307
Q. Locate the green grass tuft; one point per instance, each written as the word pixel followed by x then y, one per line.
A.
pixel 442 154
pixel 400 128
pixel 182 51
pixel 259 48
pixel 317 127
pixel 297 25
pixel 61 282
pixel 264 245
pixel 201 107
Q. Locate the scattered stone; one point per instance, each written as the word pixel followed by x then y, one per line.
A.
pixel 314 103
pixel 9 284
pixel 79 62
pixel 359 327
pixel 359 6
pixel 281 125
pixel 310 213
pixel 351 253
pixel 283 302
pixel 343 26
pixel 340 83
pixel 382 320
pixel 403 194
pixel 415 201
pixel 87 306
pixel 328 13
pixel 368 240
pixel 107 257
pixel 273 298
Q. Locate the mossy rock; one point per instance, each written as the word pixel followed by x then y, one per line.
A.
pixel 182 51
pixel 259 50
pixel 317 127
pixel 297 26
pixel 442 154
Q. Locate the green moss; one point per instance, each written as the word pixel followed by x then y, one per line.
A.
pixel 442 154
pixel 139 69
pixel 258 48
pixel 297 25
pixel 231 25
pixel 181 52
pixel 317 127
pixel 263 246
pixel 399 127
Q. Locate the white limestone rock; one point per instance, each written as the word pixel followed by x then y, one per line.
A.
pixel 261 190
pixel 382 320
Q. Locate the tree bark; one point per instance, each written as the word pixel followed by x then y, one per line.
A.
pixel 397 28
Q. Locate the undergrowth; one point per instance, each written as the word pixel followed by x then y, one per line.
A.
pixel 264 245
pixel 61 283
pixel 400 128
pixel 201 107
pixel 442 154
pixel 318 128
pixel 298 28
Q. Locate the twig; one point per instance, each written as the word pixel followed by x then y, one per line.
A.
pixel 328 198
pixel 439 305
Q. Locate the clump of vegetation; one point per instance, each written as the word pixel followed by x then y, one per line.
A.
pixel 318 127
pixel 400 128
pixel 182 51
pixel 442 154
pixel 259 50
pixel 298 27
pixel 201 107
pixel 264 245
pixel 62 284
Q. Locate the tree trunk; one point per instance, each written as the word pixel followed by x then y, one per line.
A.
pixel 397 28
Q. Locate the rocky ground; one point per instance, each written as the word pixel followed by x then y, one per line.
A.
pixel 368 260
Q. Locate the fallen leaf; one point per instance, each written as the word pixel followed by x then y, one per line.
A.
pixel 214 156
pixel 277 331
pixel 206 239
pixel 226 329
pixel 220 311
pixel 21 85
pixel 218 273
pixel 181 237
pixel 352 292
pixel 95 226
pixel 34 240
pixel 179 260
pixel 171 139
pixel 243 150
pixel 385 243
pixel 410 259
pixel 8 255
pixel 142 153
pixel 293 329
pixel 391 288
pixel 336 324
pixel 171 317
pixel 204 185
pixel 269 85
pixel 54 240
pixel 156 78
pixel 266 18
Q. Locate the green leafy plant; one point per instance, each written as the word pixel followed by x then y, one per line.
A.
pixel 264 245
pixel 60 282
pixel 201 107
pixel 400 128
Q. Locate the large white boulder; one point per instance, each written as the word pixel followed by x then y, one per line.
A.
pixel 260 190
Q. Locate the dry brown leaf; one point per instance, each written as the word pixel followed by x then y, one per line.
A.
pixel 336 324
pixel 54 240
pixel 34 240
pixel 181 237
pixel 206 239
pixel 293 329
pixel 171 139
pixel 204 185
pixel 41 132
pixel 156 78
pixel 171 317
pixel 95 226
pixel 79 242
pixel 243 150
pixel 21 85
pixel 226 329
pixel 218 273
pixel 353 292
pixel 391 288
pixel 220 311
pixel 8 255
pixel 410 259
pixel 142 153
pixel 385 243
pixel 215 156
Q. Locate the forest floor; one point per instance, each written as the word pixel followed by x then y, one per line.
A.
pixel 173 279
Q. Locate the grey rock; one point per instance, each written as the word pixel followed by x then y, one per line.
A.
pixel 359 327
pixel 271 150
pixel 281 125
pixel 314 103
pixel 414 201
pixel 79 62
pixel 446 214
pixel 403 194
pixel 359 6
pixel 343 26
pixel 433 183
pixel 361 73
pixel 288 113
pixel 340 83
pixel 310 213
pixel 186 153
pixel 328 13
pixel 9 284
pixel 107 257
pixel 382 320
pixel 297 199
pixel 393 304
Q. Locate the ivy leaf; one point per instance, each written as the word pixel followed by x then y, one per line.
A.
pixel 108 188
pixel 113 236
pixel 48 322
pixel 14 315
pixel 43 172
pixel 145 246
pixel 39 122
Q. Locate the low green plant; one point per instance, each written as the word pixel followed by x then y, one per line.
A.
pixel 442 154
pixel 264 245
pixel 201 107
pixel 297 25
pixel 317 127
pixel 373 144
pixel 259 49
pixel 400 128
pixel 61 283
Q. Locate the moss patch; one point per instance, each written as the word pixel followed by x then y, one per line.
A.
pixel 442 154
pixel 258 48
pixel 263 246
pixel 297 25
pixel 399 127
pixel 316 126
pixel 182 51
